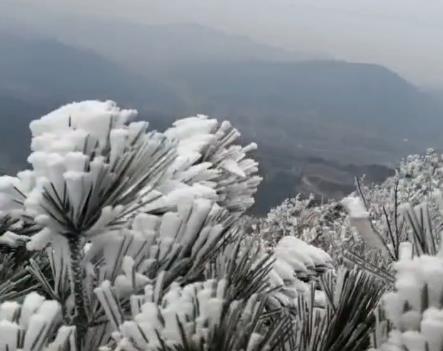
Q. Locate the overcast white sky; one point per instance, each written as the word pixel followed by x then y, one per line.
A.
pixel 405 35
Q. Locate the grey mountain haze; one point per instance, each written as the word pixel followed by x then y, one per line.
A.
pixel 401 34
pixel 311 117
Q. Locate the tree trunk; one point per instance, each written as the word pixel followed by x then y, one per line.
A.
pixel 81 318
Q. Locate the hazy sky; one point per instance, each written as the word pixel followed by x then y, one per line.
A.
pixel 405 35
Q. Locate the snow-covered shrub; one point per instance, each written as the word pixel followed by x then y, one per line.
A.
pixel 416 185
pixel 406 207
pixel 414 308
pixel 368 225
pixel 324 225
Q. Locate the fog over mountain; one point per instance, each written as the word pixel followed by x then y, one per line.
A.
pixel 401 34
pixel 318 122
pixel 48 69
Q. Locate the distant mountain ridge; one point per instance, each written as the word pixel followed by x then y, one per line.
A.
pixel 46 68
pixel 337 111
pixel 361 104
pixel 150 48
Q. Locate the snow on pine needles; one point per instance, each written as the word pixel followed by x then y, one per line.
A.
pixel 119 237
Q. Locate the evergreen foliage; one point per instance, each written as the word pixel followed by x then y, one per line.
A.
pixel 121 238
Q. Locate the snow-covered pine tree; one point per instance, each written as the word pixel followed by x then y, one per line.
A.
pixel 120 238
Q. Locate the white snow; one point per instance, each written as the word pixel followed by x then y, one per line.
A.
pixel 355 206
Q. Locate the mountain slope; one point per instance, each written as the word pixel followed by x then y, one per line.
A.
pixel 348 91
pixel 337 111
pixel 171 44
pixel 146 48
pixel 46 69
pixel 339 103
